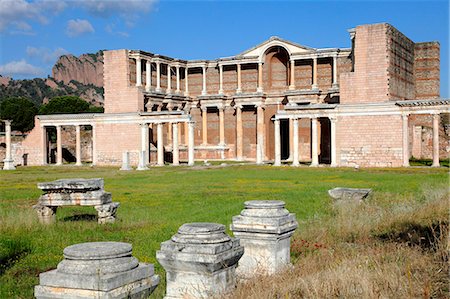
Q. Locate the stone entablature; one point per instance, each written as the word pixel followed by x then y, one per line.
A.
pixel 75 192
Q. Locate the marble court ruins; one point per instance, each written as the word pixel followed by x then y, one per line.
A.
pixel 375 104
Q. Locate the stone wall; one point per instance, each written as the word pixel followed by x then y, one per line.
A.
pixel 400 50
pixel 369 82
pixel 369 141
pixel 427 70
pixel 114 139
pixel 121 97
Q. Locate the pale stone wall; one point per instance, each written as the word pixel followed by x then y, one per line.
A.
pixel 369 141
pixel 32 144
pixel 119 94
pixel 114 139
pixel 369 82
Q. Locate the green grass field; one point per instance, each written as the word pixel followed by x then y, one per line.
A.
pixel 156 202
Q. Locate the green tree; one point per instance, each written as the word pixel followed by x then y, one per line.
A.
pixel 65 104
pixel 21 111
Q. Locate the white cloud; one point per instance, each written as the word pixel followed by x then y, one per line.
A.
pixel 20 67
pixel 45 54
pixel 17 14
pixel 107 8
pixel 78 27
pixel 110 28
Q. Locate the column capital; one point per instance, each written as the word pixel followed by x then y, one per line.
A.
pixel 7 122
pixel 332 118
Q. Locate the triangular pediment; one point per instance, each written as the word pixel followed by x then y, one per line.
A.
pixel 276 41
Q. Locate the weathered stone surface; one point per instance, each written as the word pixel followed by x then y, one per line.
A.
pixel 81 192
pixel 126 161
pixel 200 261
pixel 349 193
pixel 264 228
pixel 72 185
pixel 98 270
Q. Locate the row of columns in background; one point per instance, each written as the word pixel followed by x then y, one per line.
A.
pixel 406 148
pixel 59 156
pixel 260 131
pixel 259 88
pixel 144 155
pixel 314 142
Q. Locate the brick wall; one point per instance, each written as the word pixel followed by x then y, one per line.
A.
pixel 369 141
pixel 120 96
pixel 31 146
pixel 400 50
pixel 427 70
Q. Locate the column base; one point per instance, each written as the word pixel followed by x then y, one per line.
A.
pixel 291 87
pixel 204 93
pixel 436 165
pixel 78 164
pixel 406 165
pixel 333 165
pixel 335 86
pixel 238 90
pixel 295 164
pixel 314 165
pixel 259 89
pixel 277 164
pixel 314 87
pixel 221 92
pixel 142 168
pixel 8 164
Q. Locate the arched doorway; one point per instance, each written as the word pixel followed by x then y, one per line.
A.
pixel 276 69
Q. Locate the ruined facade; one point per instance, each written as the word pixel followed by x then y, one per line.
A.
pixel 278 102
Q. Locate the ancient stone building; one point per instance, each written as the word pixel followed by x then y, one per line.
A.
pixel 278 102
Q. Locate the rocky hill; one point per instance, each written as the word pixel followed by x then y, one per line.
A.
pixel 86 69
pixel 80 76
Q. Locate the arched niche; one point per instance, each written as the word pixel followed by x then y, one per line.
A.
pixel 276 69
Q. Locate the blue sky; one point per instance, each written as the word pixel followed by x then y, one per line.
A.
pixel 34 33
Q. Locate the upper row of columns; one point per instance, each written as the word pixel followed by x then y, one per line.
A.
pixel 259 88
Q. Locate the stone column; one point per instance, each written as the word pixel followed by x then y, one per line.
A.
pixel 144 142
pixel 8 162
pixel 186 82
pixel 335 84
pixel 160 144
pixel 44 145
pixel 260 77
pixel 436 118
pixel 314 85
pixel 98 270
pixel 148 75
pixel 264 228
pixel 405 143
pixel 158 76
pixel 169 79
pixel 78 145
pixel 138 72
pixel 295 156
pixel 277 161
pixel 177 67
pixel 191 143
pixel 292 81
pixel 204 80
pixel 315 143
pixel 333 142
pixel 221 126
pixel 200 261
pixel 58 145
pixel 126 161
pixel 205 126
pixel 175 149
pixel 94 145
pixel 239 134
pixel 239 79
pixel 260 135
pixel 220 79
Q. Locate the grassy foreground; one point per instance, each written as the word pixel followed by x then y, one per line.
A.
pixel 359 241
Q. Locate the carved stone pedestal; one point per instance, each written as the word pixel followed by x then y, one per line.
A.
pixel 264 228
pixel 98 270
pixel 200 261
